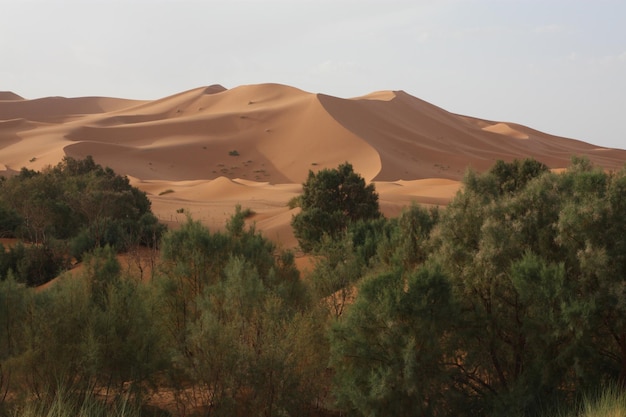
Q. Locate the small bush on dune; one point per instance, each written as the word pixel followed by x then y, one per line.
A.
pixel 295 202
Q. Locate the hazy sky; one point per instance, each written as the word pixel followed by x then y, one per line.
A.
pixel 555 65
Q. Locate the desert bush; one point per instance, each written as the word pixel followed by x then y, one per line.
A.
pixel 123 343
pixel 10 222
pixel 295 202
pixel 37 264
pixel 76 202
pixel 331 201
pixel 14 301
pixel 391 351
pixel 535 264
pixel 233 292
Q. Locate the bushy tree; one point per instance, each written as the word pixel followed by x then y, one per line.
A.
pixel 513 176
pixel 536 271
pixel 332 200
pixel 70 209
pixel 14 300
pixel 94 331
pixel 391 353
pixel 338 269
pixel 406 242
pixel 122 342
pixel 228 301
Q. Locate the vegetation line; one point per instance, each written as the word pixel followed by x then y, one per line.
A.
pixel 509 301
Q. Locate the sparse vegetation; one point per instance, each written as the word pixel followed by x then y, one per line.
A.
pixel 168 191
pixel 246 212
pixel 234 152
pixel 294 202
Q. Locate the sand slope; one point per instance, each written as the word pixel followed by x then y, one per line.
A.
pixel 204 150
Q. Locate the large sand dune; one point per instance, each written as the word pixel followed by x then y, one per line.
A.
pixel 207 149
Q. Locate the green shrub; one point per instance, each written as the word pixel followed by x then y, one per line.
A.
pixel 77 203
pixel 333 199
pixel 295 202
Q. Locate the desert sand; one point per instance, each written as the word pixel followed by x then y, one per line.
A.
pixel 205 150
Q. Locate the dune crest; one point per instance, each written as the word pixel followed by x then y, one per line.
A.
pixel 9 95
pixel 204 150
pixel 506 130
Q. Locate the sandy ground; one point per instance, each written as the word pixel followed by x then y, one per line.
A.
pixel 203 151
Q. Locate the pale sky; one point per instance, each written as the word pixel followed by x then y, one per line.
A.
pixel 554 65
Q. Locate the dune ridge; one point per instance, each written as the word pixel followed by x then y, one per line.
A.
pixel 212 147
pixel 9 95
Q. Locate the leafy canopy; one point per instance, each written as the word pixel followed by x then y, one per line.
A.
pixel 332 200
pixel 65 211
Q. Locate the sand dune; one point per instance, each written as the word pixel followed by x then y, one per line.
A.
pixel 204 150
pixel 9 95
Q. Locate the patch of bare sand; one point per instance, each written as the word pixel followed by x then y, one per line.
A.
pixel 506 130
pixel 213 201
pixel 266 132
pixel 397 195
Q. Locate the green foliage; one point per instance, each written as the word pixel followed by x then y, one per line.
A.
pixel 406 243
pixel 10 221
pixel 13 307
pixel 69 210
pixel 122 340
pixel 391 350
pixel 102 270
pixel 233 293
pixel 531 267
pixel 512 177
pixel 337 270
pixel 332 200
pixel 85 333
pixel 33 264
pixel 510 301
pixel 535 264
pixel 295 202
pixel 366 236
